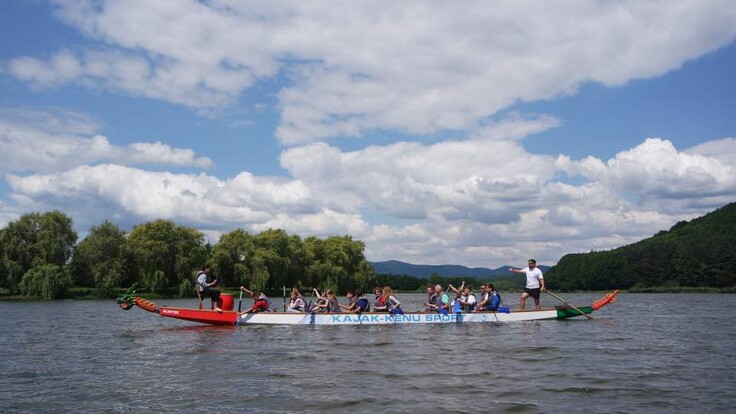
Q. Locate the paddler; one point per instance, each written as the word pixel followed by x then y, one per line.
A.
pixel 260 301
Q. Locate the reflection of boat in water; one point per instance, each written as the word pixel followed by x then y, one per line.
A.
pixel 230 317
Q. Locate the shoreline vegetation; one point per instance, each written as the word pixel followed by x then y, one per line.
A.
pixel 40 258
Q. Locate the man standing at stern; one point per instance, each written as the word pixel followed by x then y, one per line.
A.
pixel 534 283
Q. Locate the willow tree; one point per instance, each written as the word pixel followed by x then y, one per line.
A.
pixel 166 254
pixel 232 258
pixel 33 241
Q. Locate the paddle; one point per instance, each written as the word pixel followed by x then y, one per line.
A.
pixel 309 307
pixel 240 301
pixel 319 297
pixel 568 304
pixel 284 297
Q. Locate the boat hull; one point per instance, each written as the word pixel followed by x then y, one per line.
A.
pixel 279 318
pixel 212 317
pixel 387 319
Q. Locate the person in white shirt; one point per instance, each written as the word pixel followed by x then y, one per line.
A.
pixel 468 299
pixel 534 283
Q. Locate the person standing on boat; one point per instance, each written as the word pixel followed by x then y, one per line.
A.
pixel 534 283
pixel 204 285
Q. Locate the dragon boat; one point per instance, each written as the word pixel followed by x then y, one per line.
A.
pixel 230 317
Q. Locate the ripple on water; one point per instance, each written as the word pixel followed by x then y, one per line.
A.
pixel 638 356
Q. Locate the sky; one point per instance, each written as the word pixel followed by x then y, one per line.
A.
pixel 479 133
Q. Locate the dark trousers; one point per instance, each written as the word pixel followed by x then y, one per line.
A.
pixel 214 294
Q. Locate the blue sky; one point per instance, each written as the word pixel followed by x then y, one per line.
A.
pixel 475 133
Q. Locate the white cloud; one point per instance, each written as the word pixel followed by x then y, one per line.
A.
pixel 723 150
pixel 198 199
pixel 54 140
pixel 656 170
pixel 414 66
pixel 480 201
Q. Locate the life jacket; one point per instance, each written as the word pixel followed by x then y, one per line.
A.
pixel 379 303
pixel 261 305
pixel 332 305
pixel 364 305
pixel 201 287
pixel 469 308
pixel 441 301
pixel 456 306
pixel 493 302
pixel 320 301
pixel 299 308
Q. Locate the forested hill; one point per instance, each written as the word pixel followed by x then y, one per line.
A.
pixel 699 253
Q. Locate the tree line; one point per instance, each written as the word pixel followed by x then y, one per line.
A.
pixel 40 257
pixel 699 253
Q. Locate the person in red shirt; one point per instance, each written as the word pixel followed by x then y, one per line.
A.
pixel 260 301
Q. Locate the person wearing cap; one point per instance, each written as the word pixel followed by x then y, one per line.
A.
pixel 534 283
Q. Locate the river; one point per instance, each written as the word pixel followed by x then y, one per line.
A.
pixel 646 353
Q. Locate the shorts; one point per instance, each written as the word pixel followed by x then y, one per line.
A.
pixel 533 292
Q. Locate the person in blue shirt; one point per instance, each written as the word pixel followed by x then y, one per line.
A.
pixel 491 299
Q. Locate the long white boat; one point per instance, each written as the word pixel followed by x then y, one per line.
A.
pixel 230 317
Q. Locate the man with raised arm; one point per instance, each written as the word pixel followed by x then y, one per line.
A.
pixel 534 283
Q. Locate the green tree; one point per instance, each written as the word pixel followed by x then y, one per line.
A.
pixel 47 281
pixel 35 240
pixel 165 253
pixel 232 258
pixel 337 263
pixel 101 260
pixel 272 259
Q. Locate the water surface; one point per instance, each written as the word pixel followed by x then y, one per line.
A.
pixel 646 353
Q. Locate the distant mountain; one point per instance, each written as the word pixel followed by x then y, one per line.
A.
pixel 698 253
pixel 395 267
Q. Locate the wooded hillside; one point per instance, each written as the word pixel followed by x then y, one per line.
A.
pixel 699 253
